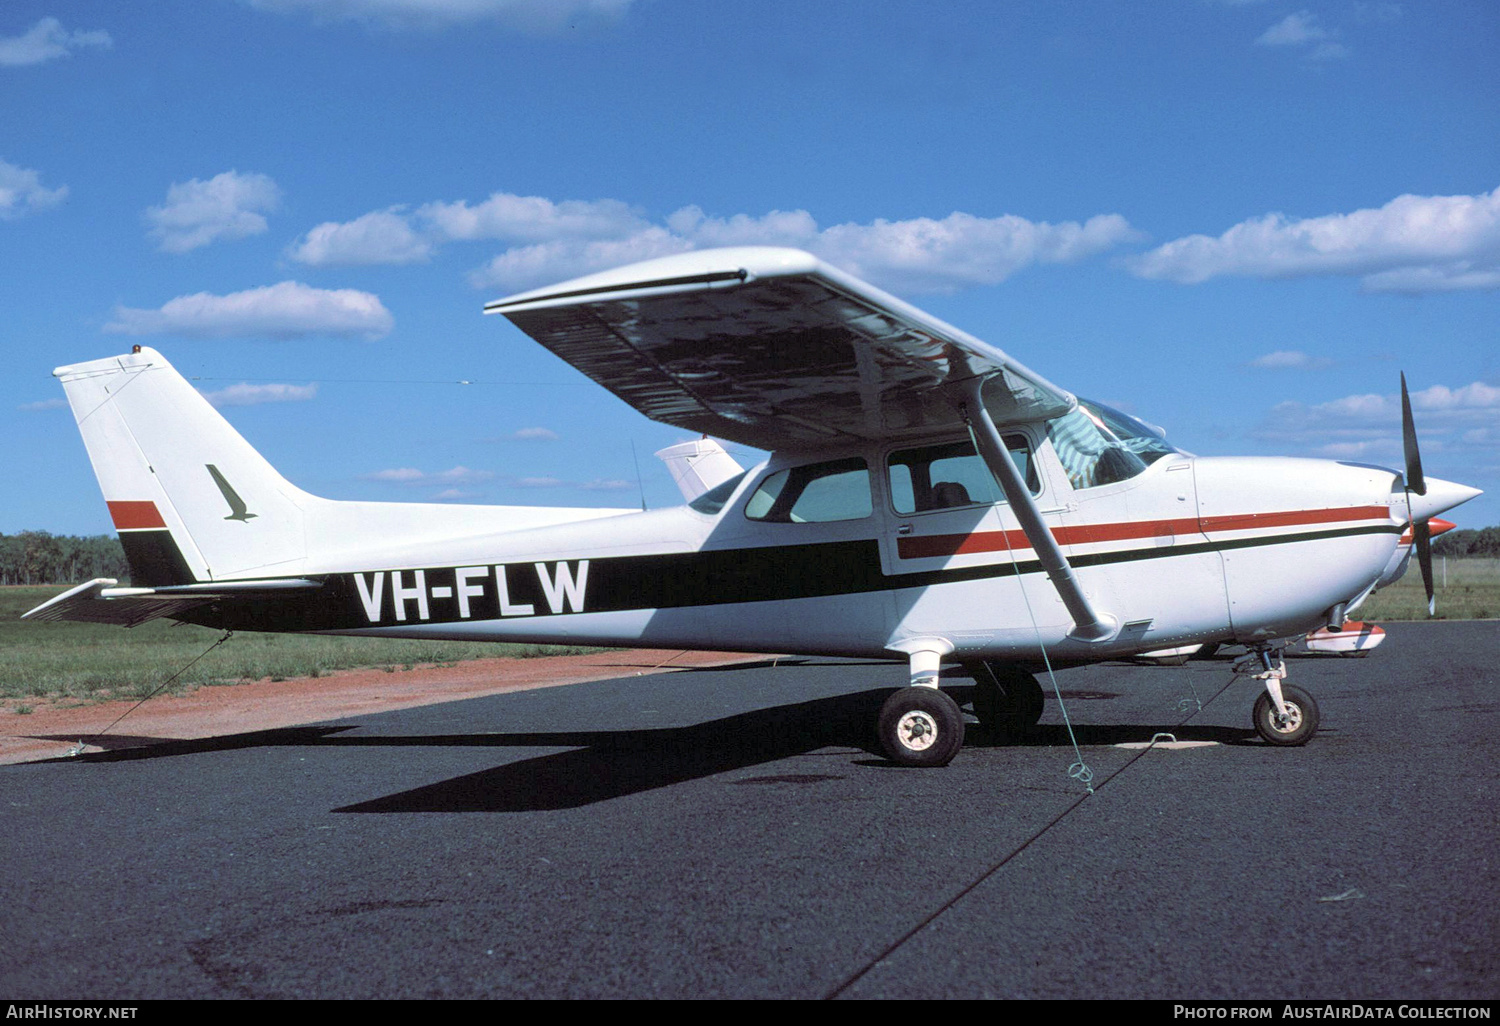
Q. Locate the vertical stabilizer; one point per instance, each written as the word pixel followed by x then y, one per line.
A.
pixel 699 466
pixel 190 497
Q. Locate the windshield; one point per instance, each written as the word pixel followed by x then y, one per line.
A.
pixel 1136 435
pixel 1089 454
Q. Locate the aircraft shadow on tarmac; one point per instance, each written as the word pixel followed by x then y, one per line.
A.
pixel 601 765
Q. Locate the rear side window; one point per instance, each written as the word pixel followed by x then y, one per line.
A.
pixel 819 493
pixel 713 500
pixel 952 475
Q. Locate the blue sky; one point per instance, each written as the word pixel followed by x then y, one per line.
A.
pixel 1239 219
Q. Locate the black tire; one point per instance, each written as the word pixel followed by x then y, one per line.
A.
pixel 1302 724
pixel 1007 699
pixel 921 727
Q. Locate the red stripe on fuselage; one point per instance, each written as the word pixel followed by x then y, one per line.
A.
pixel 1293 518
pixel 1085 534
pixel 135 516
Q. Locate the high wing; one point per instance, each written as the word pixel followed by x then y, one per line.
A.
pixel 773 348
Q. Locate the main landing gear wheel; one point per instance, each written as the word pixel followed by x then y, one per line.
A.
pixel 921 726
pixel 1007 699
pixel 1299 724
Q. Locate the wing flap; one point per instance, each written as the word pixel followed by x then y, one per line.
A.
pixel 772 348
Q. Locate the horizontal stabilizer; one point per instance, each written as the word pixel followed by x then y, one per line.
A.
pixel 99 601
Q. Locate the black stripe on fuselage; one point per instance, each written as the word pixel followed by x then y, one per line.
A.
pixel 668 581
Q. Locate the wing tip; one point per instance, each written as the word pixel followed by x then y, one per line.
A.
pixel 696 268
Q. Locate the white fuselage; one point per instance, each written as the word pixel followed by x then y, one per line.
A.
pixel 1193 549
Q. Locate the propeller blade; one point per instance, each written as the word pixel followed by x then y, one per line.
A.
pixel 1422 536
pixel 1415 482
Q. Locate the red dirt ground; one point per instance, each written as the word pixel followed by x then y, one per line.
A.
pixel 267 705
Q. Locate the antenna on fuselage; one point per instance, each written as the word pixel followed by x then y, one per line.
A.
pixel 639 480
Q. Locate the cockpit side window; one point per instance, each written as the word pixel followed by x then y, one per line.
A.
pixel 818 493
pixel 1089 452
pixel 952 475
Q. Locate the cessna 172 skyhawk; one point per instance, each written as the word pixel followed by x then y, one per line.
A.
pixel 928 498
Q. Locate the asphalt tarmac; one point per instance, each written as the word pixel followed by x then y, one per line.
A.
pixel 732 833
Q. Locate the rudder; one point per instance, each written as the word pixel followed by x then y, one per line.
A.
pixel 190 498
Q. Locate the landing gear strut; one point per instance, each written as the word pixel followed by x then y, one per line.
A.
pixel 1284 714
pixel 919 725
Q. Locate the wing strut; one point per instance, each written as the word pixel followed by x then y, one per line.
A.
pixel 1088 625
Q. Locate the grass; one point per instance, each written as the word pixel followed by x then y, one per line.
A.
pixel 1471 592
pixel 88 662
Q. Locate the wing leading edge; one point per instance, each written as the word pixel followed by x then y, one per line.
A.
pixel 773 348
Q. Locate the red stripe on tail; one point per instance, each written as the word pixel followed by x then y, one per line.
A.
pixel 135 516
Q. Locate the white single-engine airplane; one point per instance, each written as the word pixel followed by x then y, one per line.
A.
pixel 928 499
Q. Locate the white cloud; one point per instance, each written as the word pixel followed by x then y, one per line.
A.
pixel 227 206
pixel 45 404
pixel 1413 243
pixel 1302 30
pixel 531 219
pixel 22 193
pixel 1453 420
pixel 402 474
pixel 528 15
pixel 550 240
pixel 607 485
pixel 539 482
pixel 1290 359
pixel 533 434
pixel 461 474
pixel 45 40
pixel 1461 276
pixel 919 254
pixel 380 237
pixel 246 394
pixel 961 249
pixel 286 310
pixel 392 236
pixel 1293 30
pixel 527 266
pixel 411 475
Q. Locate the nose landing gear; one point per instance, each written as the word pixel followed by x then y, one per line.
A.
pixel 1284 714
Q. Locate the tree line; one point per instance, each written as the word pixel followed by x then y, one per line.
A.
pixel 36 557
pixel 1483 542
